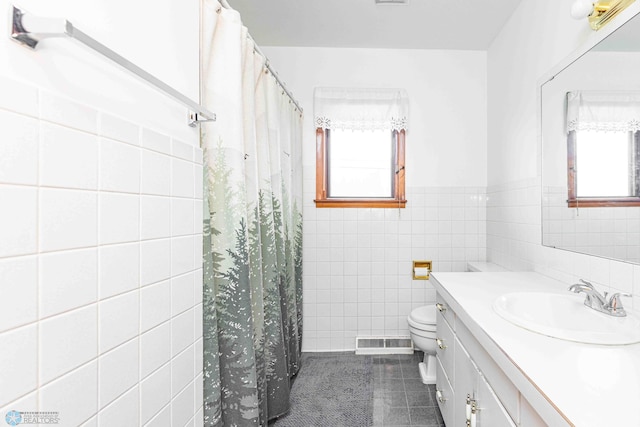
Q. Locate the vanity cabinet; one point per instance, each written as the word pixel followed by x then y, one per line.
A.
pixel 470 388
pixel 521 377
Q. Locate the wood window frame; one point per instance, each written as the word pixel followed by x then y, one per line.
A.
pixel 574 201
pixel 322 201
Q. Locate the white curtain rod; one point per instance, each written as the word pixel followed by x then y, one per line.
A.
pixel 256 49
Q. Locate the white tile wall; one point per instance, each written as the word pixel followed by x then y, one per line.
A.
pixel 118 320
pixel 119 269
pixel 155 394
pixel 68 280
pixel 67 342
pixel 100 248
pixel 116 129
pixel 155 349
pixel 73 396
pixel 19 283
pixel 58 168
pixel 126 407
pixel 156 217
pixel 357 262
pixel 155 305
pixel 154 178
pixel 119 218
pixel 19 150
pixel 162 419
pixel 118 372
pixel 18 222
pixel 119 168
pixel 67 219
pixel 155 261
pixel 513 224
pixel 19 362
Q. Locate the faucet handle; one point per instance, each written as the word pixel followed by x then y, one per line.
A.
pixel 615 303
pixel 581 286
pixel 584 282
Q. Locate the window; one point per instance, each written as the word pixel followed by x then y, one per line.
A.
pixel 603 151
pixel 360 139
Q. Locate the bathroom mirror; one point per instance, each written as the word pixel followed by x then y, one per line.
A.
pixel 590 117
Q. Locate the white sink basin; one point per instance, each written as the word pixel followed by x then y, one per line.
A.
pixel 564 316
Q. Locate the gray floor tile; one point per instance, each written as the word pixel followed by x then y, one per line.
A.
pixel 414 384
pixel 424 416
pixel 396 417
pixel 386 360
pixel 411 371
pixel 391 399
pixel 387 371
pixel 420 399
pixel 399 398
pixel 389 384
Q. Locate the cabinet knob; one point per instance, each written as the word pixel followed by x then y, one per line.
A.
pixel 439 396
pixel 440 344
pixel 441 307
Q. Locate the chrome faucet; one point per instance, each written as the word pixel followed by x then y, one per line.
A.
pixel 603 303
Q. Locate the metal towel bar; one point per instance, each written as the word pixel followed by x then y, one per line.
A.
pixel 29 30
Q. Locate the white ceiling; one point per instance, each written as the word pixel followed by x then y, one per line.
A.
pixel 420 24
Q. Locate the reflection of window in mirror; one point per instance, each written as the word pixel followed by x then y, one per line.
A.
pixel 603 168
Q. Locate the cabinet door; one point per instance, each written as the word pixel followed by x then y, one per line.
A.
pixel 465 383
pixel 490 412
pixel 445 348
pixel 444 395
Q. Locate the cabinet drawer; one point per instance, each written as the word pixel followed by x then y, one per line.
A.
pixel 444 395
pixel 445 345
pixel 528 416
pixel 491 412
pixel 444 309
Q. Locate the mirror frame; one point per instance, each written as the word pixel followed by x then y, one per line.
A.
pixel 590 42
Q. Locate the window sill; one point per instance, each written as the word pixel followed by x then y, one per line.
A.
pixel 360 203
pixel 602 202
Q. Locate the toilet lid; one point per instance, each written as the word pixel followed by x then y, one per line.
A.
pixel 425 315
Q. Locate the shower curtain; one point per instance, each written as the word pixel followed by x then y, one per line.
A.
pixel 252 229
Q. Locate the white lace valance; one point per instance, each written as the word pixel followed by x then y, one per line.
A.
pixel 360 109
pixel 603 111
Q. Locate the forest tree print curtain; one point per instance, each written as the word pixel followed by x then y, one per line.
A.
pixel 252 230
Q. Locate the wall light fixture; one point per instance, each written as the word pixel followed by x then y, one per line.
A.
pixel 598 12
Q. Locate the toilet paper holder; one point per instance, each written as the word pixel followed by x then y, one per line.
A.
pixel 421 270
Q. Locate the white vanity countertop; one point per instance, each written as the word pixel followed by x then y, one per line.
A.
pixel 588 385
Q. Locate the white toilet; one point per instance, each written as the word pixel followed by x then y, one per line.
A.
pixel 422 327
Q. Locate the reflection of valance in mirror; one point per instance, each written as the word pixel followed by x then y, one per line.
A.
pixel 603 111
pixel 358 109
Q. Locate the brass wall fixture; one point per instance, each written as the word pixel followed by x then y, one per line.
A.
pixel 421 270
pixel 600 12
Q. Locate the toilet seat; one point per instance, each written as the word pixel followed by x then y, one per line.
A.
pixel 423 318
